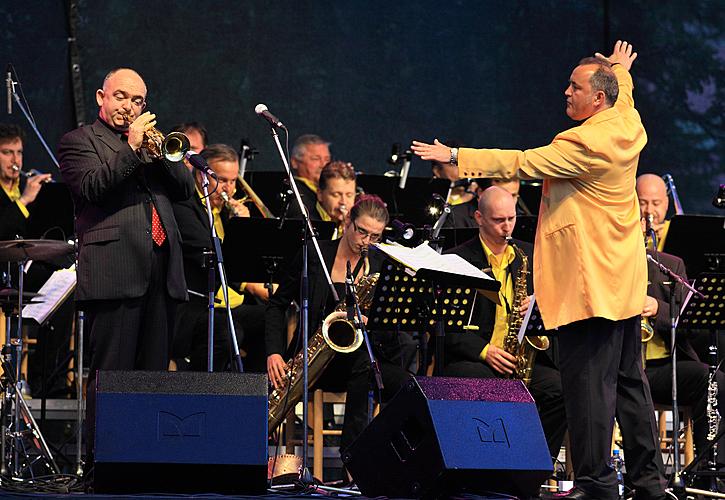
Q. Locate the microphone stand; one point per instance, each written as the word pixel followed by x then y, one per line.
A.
pixel 216 254
pixel 355 314
pixel 434 239
pixel 308 234
pixel 31 122
pixel 677 479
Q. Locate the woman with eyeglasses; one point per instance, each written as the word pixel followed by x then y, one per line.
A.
pixel 346 372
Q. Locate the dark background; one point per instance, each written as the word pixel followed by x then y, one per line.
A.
pixel 367 74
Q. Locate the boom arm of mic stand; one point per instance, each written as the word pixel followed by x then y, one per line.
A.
pixel 35 129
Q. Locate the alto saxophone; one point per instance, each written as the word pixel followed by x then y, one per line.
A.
pixel 336 334
pixel 525 351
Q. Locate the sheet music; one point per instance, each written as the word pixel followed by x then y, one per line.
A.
pixel 53 293
pixel 690 293
pixel 424 257
pixel 527 317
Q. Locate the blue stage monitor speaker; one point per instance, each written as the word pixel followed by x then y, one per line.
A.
pixel 185 432
pixel 440 436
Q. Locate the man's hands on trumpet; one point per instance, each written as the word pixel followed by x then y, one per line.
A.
pixel 32 188
pixel 136 130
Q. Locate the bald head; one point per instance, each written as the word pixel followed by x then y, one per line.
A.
pixel 122 98
pixel 652 194
pixel 496 217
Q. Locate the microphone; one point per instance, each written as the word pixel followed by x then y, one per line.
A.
pixel 199 162
pixel 263 111
pixel 407 158
pixel 349 299
pixel 9 85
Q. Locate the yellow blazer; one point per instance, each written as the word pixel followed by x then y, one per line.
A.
pixel 589 256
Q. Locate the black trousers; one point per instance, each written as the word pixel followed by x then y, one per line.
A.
pixel 351 372
pixel 129 334
pixel 545 388
pixel 602 376
pixel 692 382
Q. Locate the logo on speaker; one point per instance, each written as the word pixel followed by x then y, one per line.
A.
pixel 171 426
pixel 494 432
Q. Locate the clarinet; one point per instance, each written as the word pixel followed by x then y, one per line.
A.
pixel 712 411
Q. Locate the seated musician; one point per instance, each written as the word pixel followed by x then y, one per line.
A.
pixel 14 211
pixel 346 372
pixel 310 154
pixel 479 352
pixel 336 194
pixel 653 203
pixel 692 373
pixel 190 335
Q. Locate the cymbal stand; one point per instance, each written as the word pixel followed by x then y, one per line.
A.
pixel 15 411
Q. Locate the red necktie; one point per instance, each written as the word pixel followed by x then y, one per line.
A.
pixel 157 229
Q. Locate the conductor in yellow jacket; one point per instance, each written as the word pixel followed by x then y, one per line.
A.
pixel 590 273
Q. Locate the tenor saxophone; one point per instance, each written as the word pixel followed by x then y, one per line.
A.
pixel 525 351
pixel 336 334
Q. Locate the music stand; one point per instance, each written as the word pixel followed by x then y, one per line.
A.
pixel 704 229
pixel 257 259
pixel 52 208
pixel 268 185
pixel 446 278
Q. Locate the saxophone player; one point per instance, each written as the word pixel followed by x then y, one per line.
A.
pixel 346 372
pixel 479 352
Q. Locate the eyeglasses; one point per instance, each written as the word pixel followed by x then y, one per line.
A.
pixel 374 237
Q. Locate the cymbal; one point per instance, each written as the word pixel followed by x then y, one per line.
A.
pixel 18 250
pixel 12 293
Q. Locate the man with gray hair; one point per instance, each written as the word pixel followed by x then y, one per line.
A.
pixel 310 154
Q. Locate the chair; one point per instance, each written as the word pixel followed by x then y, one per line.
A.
pixel 689 447
pixel 319 398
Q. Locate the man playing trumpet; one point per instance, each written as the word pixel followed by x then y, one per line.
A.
pixel 130 271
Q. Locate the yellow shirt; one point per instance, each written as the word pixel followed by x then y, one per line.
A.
pixel 326 217
pixel 500 270
pixel 308 183
pixel 589 251
pixel 235 298
pixel 661 238
pixel 14 196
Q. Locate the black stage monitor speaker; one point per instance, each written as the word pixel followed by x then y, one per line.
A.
pixel 190 432
pixel 440 436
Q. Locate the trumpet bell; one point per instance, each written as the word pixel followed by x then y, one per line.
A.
pixel 175 146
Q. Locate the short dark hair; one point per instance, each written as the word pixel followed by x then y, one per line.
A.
pixel 9 132
pixel 603 78
pixel 219 152
pixel 336 170
pixel 186 126
pixel 305 140
pixel 372 206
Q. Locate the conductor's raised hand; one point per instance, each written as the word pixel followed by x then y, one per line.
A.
pixel 622 54
pixel 436 152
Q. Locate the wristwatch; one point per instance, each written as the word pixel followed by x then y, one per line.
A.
pixel 454 156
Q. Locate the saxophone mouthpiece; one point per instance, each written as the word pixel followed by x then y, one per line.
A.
pixel 225 197
pixel 508 239
pixel 15 168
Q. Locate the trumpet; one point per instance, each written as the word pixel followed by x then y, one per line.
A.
pixel 173 146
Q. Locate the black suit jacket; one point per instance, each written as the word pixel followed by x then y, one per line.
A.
pixel 12 221
pixel 468 344
pixel 112 191
pixel 319 301
pixel 309 200
pixel 657 289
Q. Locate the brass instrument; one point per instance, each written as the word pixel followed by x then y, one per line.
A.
pixel 250 195
pixel 173 147
pixel 336 334
pixel 227 203
pixel 525 351
pixel 647 331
